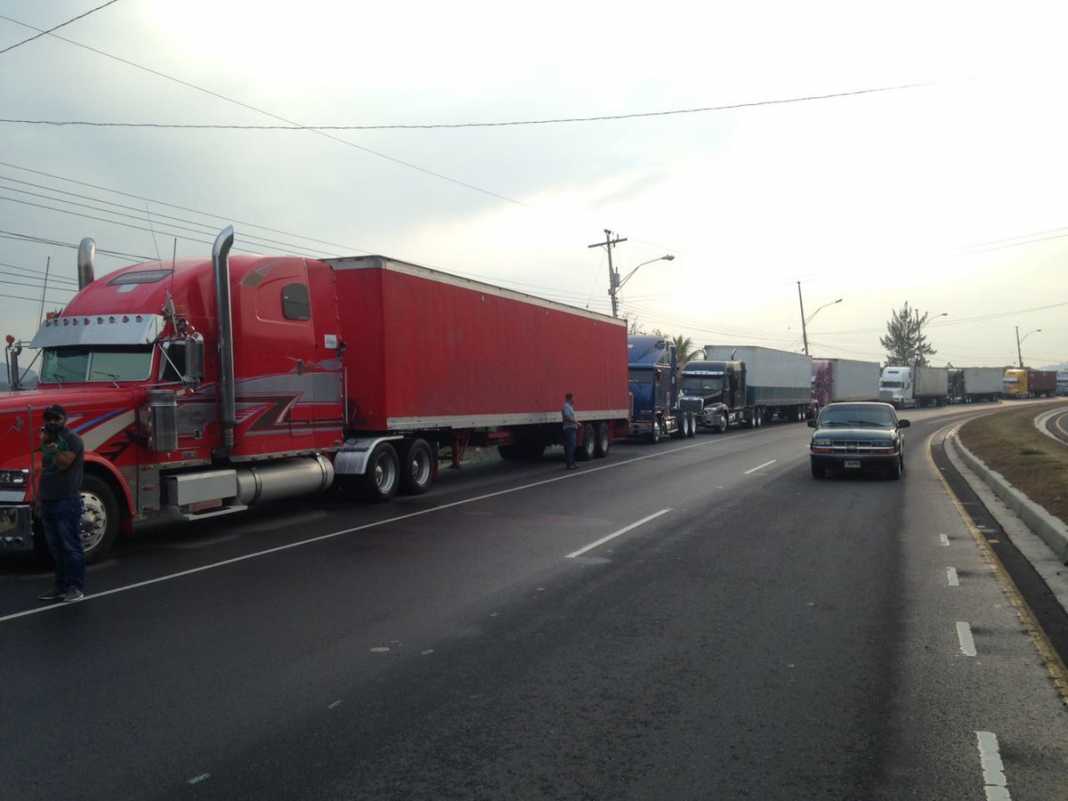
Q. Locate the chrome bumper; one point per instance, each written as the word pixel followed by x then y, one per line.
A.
pixel 16 529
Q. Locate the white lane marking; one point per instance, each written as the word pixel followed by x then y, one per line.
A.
pixel 397 518
pixel 427 652
pixel 964 635
pixel 335 704
pixel 759 466
pixel 944 540
pixel 994 781
pixel 615 534
pixel 951 577
pixel 380 649
pixel 200 778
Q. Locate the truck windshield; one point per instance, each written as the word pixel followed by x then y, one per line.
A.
pixel 98 363
pixel 701 384
pixel 640 376
pixel 890 385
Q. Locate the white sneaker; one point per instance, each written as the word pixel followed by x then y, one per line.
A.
pixel 73 596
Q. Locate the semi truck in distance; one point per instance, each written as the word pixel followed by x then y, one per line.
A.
pixel 906 387
pixel 1062 382
pixel 1026 382
pixel 652 373
pixel 203 387
pixel 976 384
pixel 746 386
pixel 842 380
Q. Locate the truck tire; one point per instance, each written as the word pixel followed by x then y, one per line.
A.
pixel 722 429
pixel 418 467
pixel 603 441
pixel 509 452
pixel 654 433
pixel 896 469
pixel 382 479
pixel 588 447
pixel 100 517
pixel 818 471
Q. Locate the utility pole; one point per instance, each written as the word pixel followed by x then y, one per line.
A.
pixel 804 329
pixel 613 276
pixel 1019 353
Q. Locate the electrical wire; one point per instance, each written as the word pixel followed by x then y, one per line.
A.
pixel 220 96
pixel 34 300
pixel 423 126
pixel 267 244
pixel 54 281
pixel 37 272
pixel 41 33
pixel 223 217
pixel 40 240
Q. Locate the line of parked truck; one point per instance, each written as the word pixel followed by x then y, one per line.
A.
pixel 203 387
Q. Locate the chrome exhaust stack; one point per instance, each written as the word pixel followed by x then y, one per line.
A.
pixel 86 257
pixel 220 262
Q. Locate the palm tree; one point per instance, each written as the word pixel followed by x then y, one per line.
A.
pixel 685 350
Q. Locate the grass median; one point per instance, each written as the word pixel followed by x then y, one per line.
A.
pixel 1007 441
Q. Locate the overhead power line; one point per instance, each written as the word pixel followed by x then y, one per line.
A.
pixel 272 115
pixel 47 31
pixel 423 126
pixel 40 240
pixel 142 216
pixel 35 272
pixel 223 217
pixel 34 300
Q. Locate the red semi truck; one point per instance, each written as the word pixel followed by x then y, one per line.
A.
pixel 204 387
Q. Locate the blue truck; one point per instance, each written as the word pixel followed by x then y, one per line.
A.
pixel 654 388
pixel 737 385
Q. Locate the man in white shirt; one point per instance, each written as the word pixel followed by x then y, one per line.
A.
pixel 570 430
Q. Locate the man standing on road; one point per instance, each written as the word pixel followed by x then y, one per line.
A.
pixel 570 430
pixel 59 496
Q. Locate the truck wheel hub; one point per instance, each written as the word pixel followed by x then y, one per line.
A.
pixel 94 521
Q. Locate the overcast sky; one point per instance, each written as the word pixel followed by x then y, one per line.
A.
pixel 952 196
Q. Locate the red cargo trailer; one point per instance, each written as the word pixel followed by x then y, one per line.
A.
pixel 1042 383
pixel 204 387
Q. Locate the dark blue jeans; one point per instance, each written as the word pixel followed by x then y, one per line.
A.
pixel 62 526
pixel 570 434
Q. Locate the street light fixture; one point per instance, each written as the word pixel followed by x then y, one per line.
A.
pixel 617 282
pixel 821 308
pixel 805 320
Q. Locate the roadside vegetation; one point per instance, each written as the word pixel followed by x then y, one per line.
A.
pixel 1008 442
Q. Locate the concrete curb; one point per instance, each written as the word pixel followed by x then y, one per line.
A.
pixel 1052 530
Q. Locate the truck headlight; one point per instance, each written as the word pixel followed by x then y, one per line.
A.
pixel 14 478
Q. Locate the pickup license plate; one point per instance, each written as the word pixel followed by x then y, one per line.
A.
pixel 852 464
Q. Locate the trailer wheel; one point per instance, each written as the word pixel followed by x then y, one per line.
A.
pixel 418 472
pixel 382 476
pixel 99 523
pixel 588 447
pixel 603 441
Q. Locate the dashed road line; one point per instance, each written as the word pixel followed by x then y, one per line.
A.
pixel 952 579
pixel 615 534
pixel 967 641
pixel 995 783
pixel 943 540
pixel 200 778
pixel 335 704
pixel 759 466
pixel 373 524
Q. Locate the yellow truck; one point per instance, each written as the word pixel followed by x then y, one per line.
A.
pixel 1016 385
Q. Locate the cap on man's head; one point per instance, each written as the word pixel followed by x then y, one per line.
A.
pixel 568 396
pixel 55 410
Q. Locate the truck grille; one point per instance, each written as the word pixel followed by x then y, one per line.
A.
pixel 858 446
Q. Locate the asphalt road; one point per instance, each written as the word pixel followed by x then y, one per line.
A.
pixel 750 633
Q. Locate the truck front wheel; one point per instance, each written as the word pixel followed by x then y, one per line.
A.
pixel 100 517
pixel 382 476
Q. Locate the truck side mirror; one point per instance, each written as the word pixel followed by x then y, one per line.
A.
pixel 903 424
pixel 194 361
pixel 812 423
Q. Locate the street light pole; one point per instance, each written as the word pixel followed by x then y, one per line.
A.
pixel 1019 340
pixel 804 329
